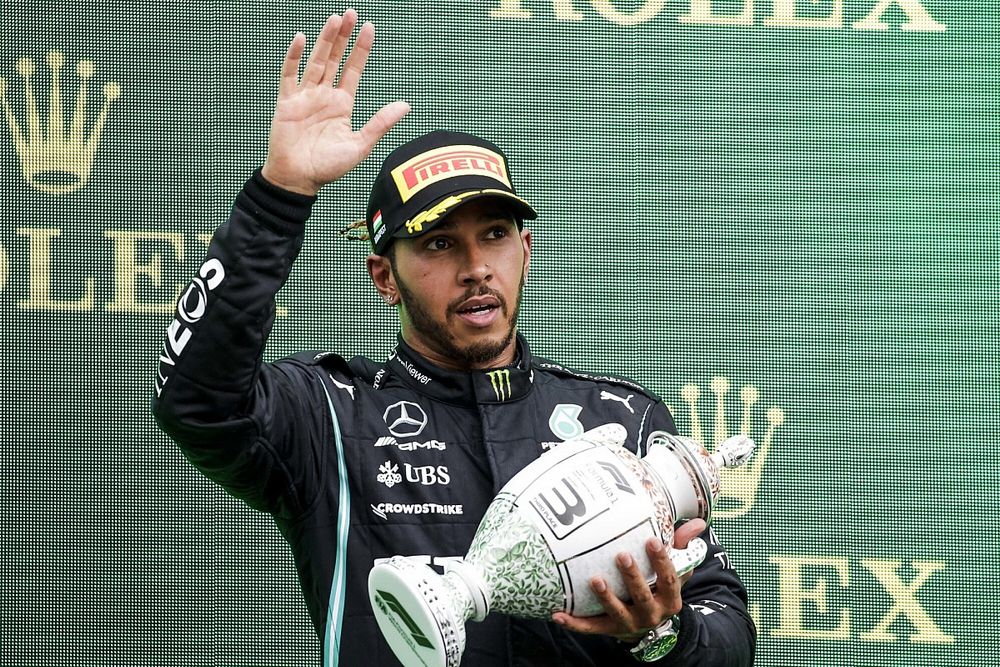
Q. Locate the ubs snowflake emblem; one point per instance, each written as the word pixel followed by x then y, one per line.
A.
pixel 389 474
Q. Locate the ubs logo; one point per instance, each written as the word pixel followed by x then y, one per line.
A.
pixel 405 419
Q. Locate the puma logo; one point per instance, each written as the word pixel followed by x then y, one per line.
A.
pixel 608 396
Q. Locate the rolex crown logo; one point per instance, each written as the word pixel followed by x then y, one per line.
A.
pixel 55 158
pixel 739 485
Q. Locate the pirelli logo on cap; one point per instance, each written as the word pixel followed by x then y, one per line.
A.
pixel 440 163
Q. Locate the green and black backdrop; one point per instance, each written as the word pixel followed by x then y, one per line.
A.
pixel 781 215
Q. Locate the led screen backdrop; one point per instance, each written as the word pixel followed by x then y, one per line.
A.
pixel 780 215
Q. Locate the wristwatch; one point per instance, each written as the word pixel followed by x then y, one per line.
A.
pixel 658 642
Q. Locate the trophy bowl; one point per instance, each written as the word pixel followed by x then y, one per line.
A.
pixel 557 523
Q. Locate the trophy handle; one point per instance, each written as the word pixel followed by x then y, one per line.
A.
pixel 685 560
pixel 733 452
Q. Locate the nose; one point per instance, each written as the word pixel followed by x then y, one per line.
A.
pixel 475 266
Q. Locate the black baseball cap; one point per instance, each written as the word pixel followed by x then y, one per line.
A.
pixel 426 178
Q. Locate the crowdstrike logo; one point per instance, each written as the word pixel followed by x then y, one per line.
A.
pixel 405 419
pixel 382 510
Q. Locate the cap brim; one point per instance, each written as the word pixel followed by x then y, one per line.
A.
pixel 521 209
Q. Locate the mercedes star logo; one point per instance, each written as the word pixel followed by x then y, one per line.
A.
pixel 405 419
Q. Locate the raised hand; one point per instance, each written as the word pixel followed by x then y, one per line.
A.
pixel 312 140
pixel 648 608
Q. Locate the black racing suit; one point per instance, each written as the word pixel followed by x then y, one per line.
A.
pixel 358 460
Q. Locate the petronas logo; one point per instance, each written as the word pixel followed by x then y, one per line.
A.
pixel 57 157
pixel 739 485
pixel 500 381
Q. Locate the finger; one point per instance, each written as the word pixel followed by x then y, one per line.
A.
pixel 668 584
pixel 645 609
pixel 659 558
pixel 687 532
pixel 290 68
pixel 590 625
pixel 317 64
pixel 635 582
pixel 383 121
pixel 339 46
pixel 614 609
pixel 616 620
pixel 356 62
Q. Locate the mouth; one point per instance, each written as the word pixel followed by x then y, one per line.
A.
pixel 479 311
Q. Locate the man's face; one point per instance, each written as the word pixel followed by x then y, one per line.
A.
pixel 460 286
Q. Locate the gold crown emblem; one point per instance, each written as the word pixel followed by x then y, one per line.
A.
pixel 739 485
pixel 56 159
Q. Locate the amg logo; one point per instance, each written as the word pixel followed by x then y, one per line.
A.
pixel 389 441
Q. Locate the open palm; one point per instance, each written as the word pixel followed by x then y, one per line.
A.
pixel 312 138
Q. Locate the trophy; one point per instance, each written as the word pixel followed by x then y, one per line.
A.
pixel 556 524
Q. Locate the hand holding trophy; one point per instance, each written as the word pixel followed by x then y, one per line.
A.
pixel 558 522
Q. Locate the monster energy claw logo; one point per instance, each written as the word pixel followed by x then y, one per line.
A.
pixel 500 381
pixel 390 600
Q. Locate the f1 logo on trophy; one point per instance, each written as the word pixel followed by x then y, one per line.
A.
pixel 554 525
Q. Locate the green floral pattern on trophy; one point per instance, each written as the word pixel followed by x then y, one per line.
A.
pixel 458 600
pixel 516 564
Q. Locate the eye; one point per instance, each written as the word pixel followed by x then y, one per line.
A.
pixel 499 232
pixel 437 243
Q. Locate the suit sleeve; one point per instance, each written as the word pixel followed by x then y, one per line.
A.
pixel 240 421
pixel 715 628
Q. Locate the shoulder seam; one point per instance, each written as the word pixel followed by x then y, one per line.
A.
pixel 559 369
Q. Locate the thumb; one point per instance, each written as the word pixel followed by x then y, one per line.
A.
pixel 383 121
pixel 687 532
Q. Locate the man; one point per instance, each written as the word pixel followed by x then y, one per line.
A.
pixel 359 460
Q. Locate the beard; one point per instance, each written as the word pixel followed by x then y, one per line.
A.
pixel 476 354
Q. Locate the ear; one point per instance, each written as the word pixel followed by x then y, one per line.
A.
pixel 526 243
pixel 380 271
